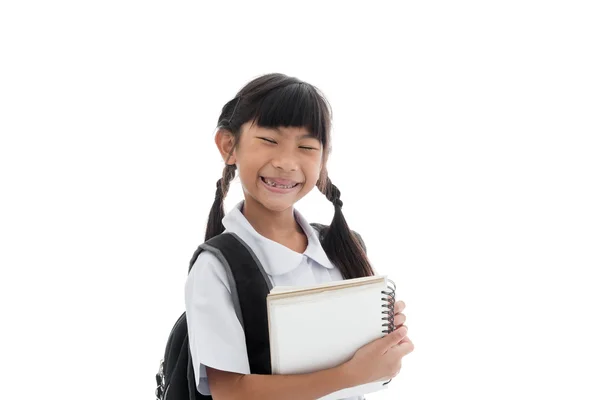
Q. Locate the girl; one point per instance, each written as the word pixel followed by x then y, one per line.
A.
pixel 276 133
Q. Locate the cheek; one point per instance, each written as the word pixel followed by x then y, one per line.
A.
pixel 248 171
pixel 248 160
pixel 313 171
pixel 314 174
pixel 244 169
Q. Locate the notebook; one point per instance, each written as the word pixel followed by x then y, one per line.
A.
pixel 312 328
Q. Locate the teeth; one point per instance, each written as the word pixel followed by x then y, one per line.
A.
pixel 273 184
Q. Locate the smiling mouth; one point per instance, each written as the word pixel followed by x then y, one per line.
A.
pixel 279 183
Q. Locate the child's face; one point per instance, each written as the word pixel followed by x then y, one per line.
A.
pixel 277 167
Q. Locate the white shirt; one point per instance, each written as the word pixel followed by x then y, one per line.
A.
pixel 216 336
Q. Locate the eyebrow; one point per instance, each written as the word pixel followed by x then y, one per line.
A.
pixel 307 136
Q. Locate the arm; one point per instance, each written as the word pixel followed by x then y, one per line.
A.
pixel 218 348
pixel 232 386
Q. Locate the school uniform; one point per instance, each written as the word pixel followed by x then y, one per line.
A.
pixel 216 335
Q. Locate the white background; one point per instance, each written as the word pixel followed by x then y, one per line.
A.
pixel 465 146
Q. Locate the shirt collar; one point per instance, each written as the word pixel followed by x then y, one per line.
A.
pixel 275 258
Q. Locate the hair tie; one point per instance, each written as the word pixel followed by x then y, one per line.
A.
pixel 337 202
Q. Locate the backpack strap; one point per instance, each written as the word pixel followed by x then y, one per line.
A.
pixel 250 286
pixel 322 231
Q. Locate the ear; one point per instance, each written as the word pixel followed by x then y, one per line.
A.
pixel 225 142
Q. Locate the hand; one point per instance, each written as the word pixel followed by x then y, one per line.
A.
pixel 379 360
pixel 382 359
pixel 399 318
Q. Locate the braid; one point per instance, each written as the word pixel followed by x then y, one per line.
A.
pixel 215 226
pixel 332 193
pixel 228 175
pixel 340 243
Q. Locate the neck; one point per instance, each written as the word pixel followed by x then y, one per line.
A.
pixel 271 224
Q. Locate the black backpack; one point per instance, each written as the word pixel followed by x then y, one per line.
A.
pixel 250 286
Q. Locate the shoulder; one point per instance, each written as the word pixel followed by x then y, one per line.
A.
pixel 206 273
pixel 322 230
pixel 360 240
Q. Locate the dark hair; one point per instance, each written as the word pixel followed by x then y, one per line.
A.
pixel 275 100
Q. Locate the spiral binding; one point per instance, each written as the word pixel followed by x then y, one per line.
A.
pixel 390 301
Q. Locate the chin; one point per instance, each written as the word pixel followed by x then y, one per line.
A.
pixel 276 205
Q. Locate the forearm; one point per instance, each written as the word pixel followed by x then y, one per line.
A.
pixel 308 386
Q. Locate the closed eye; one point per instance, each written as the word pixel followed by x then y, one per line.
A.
pixel 307 148
pixel 268 140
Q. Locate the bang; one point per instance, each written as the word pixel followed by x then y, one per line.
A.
pixel 295 105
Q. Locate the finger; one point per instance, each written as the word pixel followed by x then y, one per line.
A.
pixel 399 319
pixel 405 339
pixel 399 306
pixel 406 346
pixel 393 338
pixel 402 336
pixel 403 349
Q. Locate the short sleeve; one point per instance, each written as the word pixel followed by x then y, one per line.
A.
pixel 215 333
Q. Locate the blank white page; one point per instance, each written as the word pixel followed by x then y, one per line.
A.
pixel 322 330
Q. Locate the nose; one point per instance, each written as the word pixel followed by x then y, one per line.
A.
pixel 285 160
